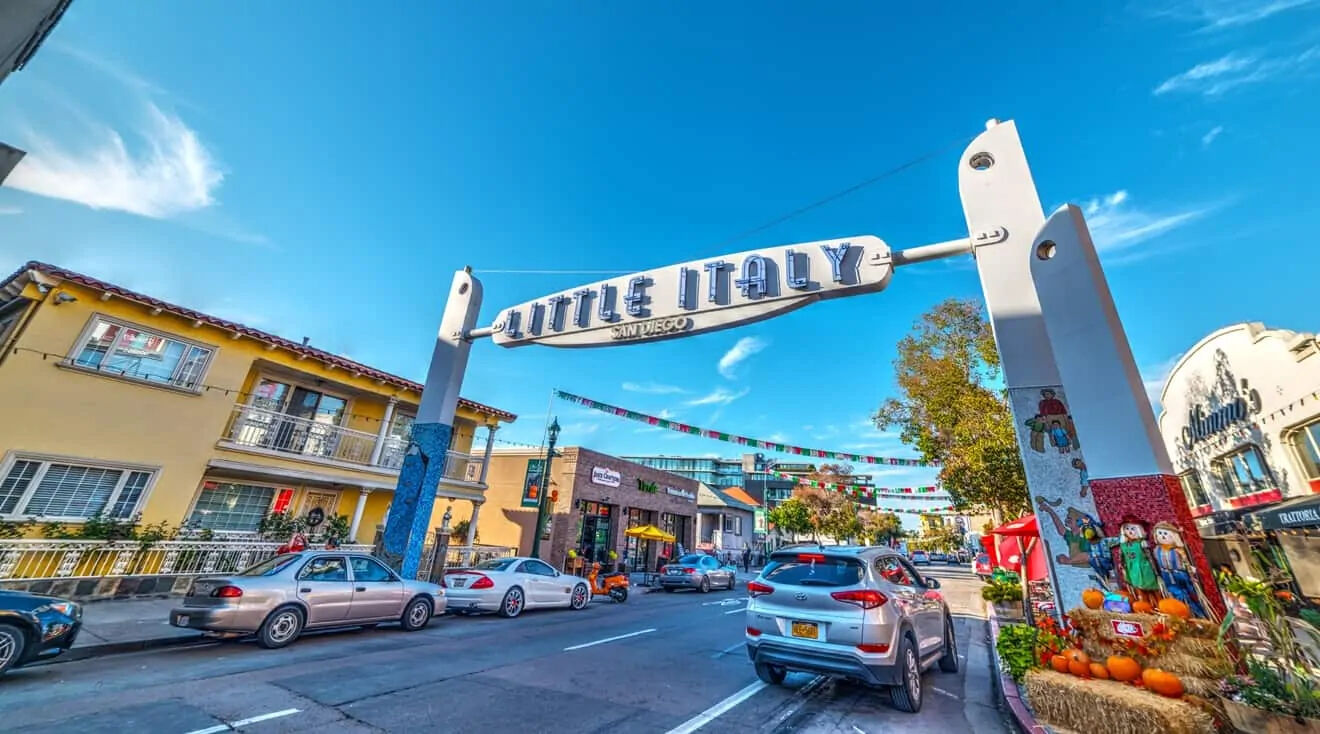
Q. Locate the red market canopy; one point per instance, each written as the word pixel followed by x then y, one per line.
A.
pixel 1023 527
pixel 1010 557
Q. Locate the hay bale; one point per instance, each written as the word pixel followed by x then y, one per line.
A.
pixel 1194 653
pixel 1106 706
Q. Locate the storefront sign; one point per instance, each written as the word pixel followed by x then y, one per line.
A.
pixel 532 483
pixel 759 521
pixel 685 494
pixel 1124 628
pixel 1204 422
pixel 607 477
pixel 648 487
pixel 699 296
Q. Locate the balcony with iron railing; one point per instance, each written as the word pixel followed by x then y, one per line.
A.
pixel 261 430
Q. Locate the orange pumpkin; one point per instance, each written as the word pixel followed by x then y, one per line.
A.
pixel 1123 668
pixel 1093 598
pixel 1059 663
pixel 1142 607
pixel 1174 608
pixel 1079 664
pixel 1162 682
pixel 1099 671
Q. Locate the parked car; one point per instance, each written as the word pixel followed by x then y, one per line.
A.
pixel 281 597
pixel 954 558
pixel 920 558
pixel 964 555
pixel 34 627
pixel 510 585
pixel 938 557
pixel 697 571
pixel 981 566
pixel 863 613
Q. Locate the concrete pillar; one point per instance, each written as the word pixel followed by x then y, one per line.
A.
pixel 357 513
pixel 384 431
pixel 472 529
pixel 424 464
pixel 485 461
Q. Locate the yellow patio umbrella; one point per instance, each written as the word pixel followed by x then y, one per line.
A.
pixel 649 532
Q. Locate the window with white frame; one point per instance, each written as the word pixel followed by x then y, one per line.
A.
pixel 136 353
pixel 733 524
pixel 1242 472
pixel 8 321
pixel 231 507
pixel 1192 487
pixel 56 490
pixel 1306 444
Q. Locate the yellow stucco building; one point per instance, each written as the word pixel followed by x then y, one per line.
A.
pixel 121 404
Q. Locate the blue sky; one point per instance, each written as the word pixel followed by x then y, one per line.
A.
pixel 321 170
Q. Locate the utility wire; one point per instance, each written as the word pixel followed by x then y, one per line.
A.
pixel 952 145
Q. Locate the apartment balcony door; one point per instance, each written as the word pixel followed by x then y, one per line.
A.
pixel 304 422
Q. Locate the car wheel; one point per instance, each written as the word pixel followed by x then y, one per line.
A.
pixel 619 594
pixel 416 615
pixel 949 660
pixel 772 674
pixel 281 627
pixel 705 584
pixel 907 694
pixel 12 643
pixel 512 604
pixel 733 581
pixel 579 598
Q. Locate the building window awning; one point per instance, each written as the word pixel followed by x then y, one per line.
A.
pixel 1303 512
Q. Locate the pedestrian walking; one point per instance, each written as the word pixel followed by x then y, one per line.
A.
pixel 747 559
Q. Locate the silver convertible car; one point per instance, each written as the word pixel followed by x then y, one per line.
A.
pixel 510 585
pixel 282 596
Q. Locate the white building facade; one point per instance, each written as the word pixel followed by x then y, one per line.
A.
pixel 1241 421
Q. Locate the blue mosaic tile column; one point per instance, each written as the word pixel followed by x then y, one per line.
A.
pixel 410 513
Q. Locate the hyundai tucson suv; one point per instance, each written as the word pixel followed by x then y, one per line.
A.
pixel 862 613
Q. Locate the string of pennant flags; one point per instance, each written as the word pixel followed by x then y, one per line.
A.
pixel 783 448
pixel 908 493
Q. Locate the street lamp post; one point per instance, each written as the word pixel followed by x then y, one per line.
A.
pixel 545 488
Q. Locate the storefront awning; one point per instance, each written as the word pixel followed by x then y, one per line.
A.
pixel 1303 512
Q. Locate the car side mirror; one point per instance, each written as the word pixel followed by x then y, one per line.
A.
pixel 932 583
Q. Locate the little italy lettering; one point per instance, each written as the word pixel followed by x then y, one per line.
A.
pixel 699 296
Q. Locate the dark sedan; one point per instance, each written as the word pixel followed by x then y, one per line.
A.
pixel 34 627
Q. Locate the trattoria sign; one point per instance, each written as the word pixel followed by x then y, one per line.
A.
pixel 699 296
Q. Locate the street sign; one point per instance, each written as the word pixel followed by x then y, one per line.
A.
pixel 699 296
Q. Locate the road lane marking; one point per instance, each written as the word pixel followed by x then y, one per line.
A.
pixel 609 639
pixel 723 602
pixel 736 611
pixel 727 650
pixel 714 712
pixel 232 725
pixel 943 692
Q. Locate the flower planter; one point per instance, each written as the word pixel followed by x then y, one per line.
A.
pixel 1009 610
pixel 1259 721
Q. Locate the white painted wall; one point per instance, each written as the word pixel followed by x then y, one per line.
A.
pixel 1211 373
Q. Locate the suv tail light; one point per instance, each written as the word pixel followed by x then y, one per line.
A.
pixel 756 588
pixel 483 582
pixel 689 570
pixel 227 592
pixel 754 632
pixel 664 569
pixel 874 648
pixel 864 598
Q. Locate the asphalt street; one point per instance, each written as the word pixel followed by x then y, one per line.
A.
pixel 657 663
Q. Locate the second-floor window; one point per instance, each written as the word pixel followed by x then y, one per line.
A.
pixel 1192 487
pixel 1242 472
pixel 136 353
pixel 1306 443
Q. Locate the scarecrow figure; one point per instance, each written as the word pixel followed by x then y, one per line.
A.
pixel 1175 566
pixel 1138 573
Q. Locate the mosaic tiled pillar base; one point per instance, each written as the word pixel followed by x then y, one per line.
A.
pixel 1149 500
pixel 410 512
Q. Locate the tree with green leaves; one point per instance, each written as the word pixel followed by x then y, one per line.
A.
pixel 791 517
pixel 880 528
pixel 954 409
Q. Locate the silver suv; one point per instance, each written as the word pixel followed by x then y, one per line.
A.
pixel 858 612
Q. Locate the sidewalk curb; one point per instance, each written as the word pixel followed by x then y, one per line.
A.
pixel 1026 720
pixel 115 648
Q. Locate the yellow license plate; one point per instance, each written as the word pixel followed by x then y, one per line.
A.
pixel 808 630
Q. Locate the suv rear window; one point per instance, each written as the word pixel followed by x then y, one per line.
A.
pixel 795 570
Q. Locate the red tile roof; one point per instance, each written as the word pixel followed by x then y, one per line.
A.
pixel 739 494
pixel 256 334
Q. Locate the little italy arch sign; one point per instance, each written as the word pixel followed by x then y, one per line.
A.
pixel 1069 372
pixel 699 296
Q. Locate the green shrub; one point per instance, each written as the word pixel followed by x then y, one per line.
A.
pixel 1001 591
pixel 1017 648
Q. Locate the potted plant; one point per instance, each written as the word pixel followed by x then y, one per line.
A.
pixel 1280 691
pixel 1006 595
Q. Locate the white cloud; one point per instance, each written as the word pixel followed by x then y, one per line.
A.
pixel 777 437
pixel 1213 78
pixel 577 429
pixel 1117 226
pixel 9 211
pixel 1210 135
pixel 719 396
pixel 1223 14
pixel 1153 377
pixel 170 173
pixel 653 388
pixel 746 347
